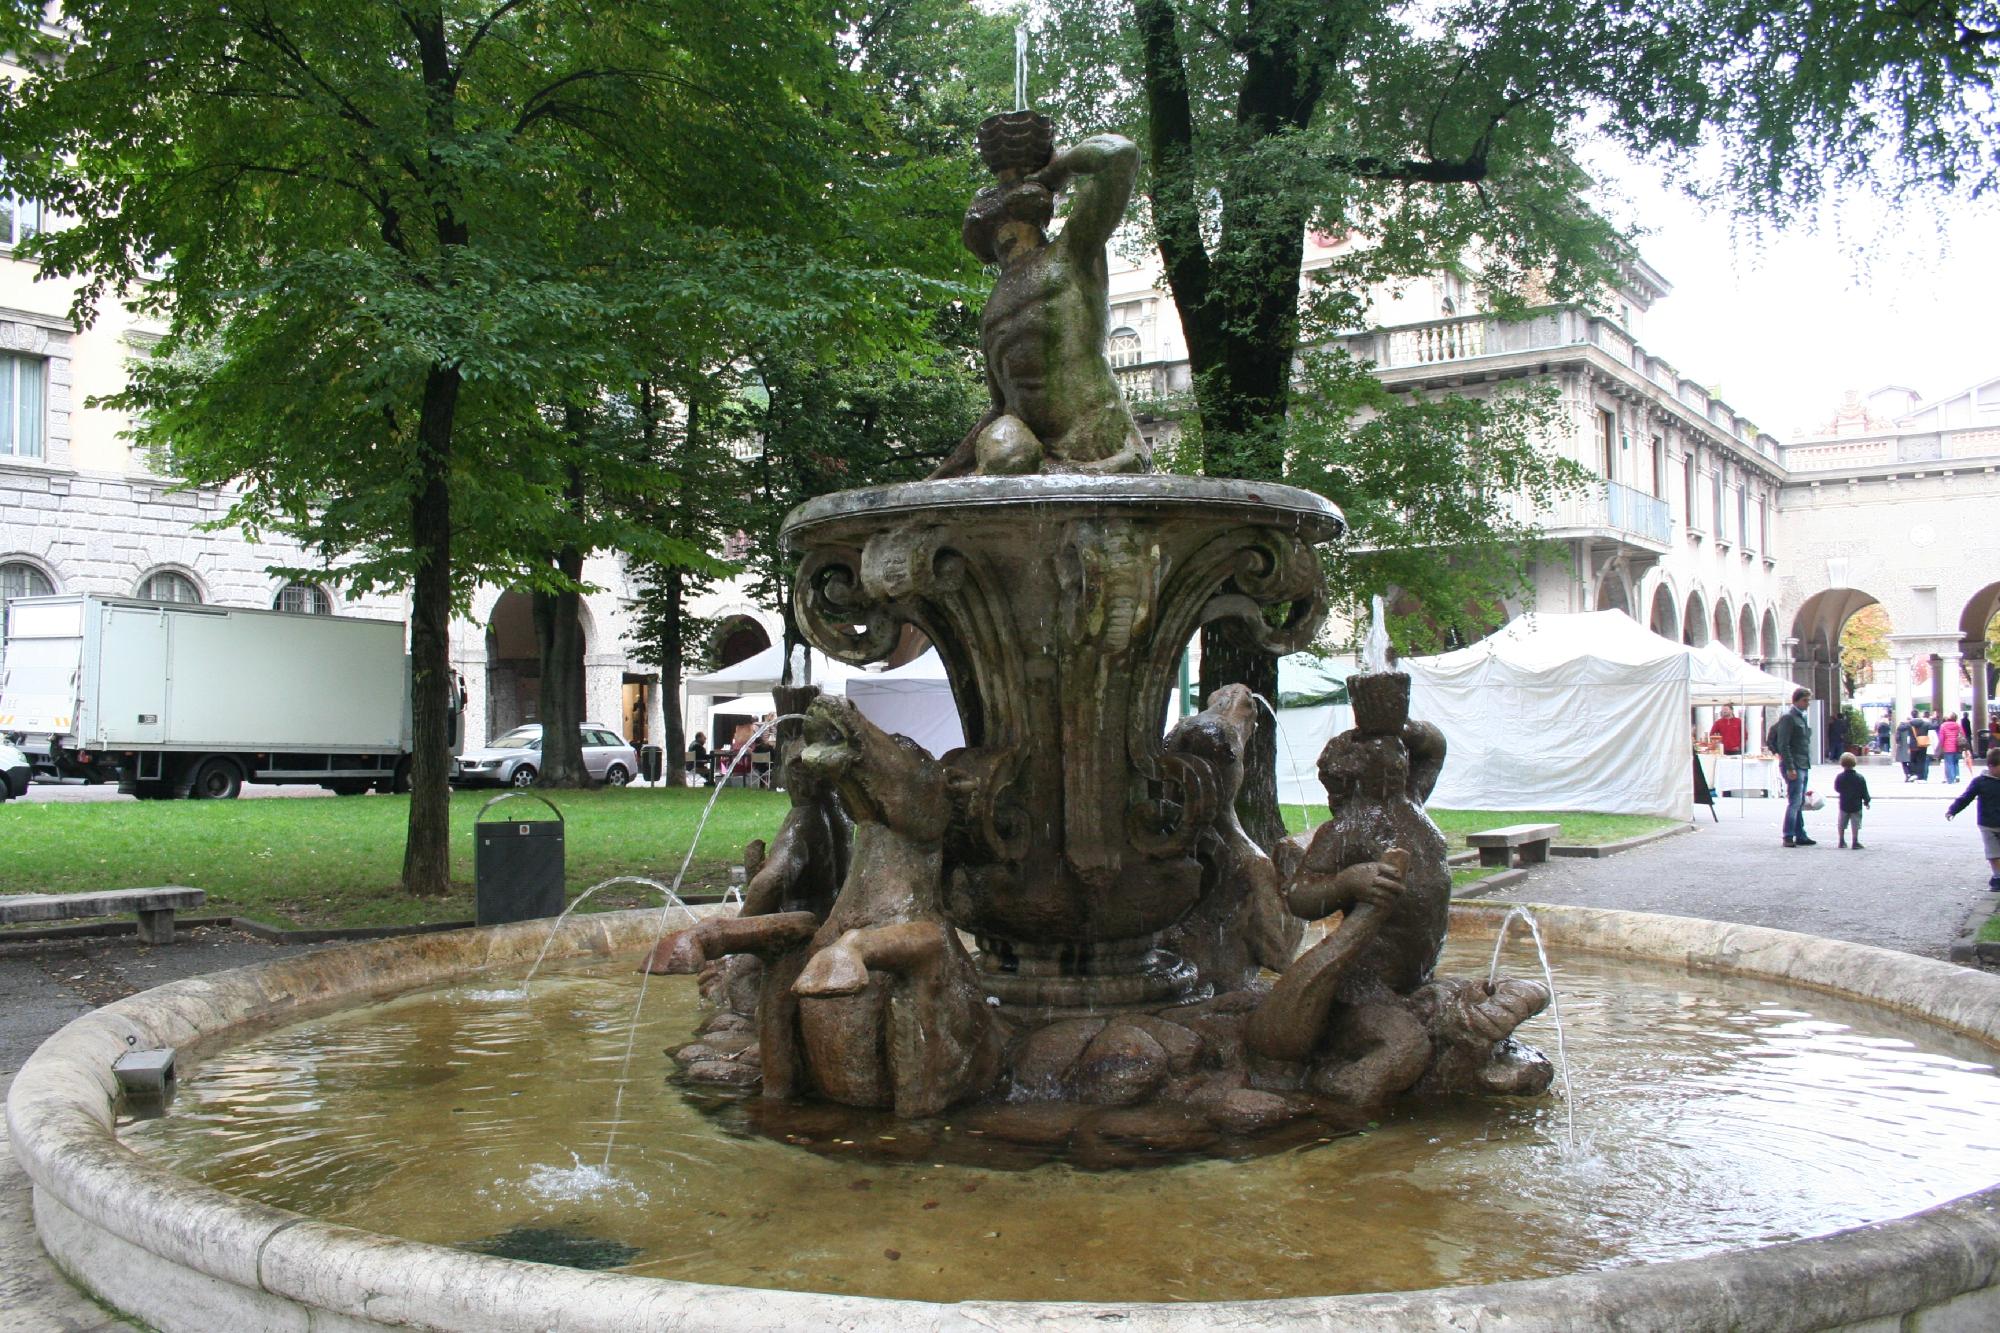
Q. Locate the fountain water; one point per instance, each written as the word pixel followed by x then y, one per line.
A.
pixel 1522 914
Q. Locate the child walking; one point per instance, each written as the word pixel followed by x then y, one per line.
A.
pixel 1986 790
pixel 1852 789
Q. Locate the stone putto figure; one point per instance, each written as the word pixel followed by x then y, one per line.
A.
pixel 1056 404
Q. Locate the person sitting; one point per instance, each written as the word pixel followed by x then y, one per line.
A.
pixel 699 761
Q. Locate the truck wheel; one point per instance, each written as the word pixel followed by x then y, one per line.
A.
pixel 217 779
pixel 616 776
pixel 524 776
pixel 400 784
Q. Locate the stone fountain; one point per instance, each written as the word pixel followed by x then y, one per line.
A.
pixel 1134 985
pixel 1125 929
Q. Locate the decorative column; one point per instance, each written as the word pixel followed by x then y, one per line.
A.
pixel 1982 706
pixel 1901 662
pixel 1947 675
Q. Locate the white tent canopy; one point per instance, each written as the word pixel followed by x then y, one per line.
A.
pixel 911 700
pixel 1721 676
pixel 764 672
pixel 1585 711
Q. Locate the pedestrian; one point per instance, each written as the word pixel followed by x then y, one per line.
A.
pixel 1920 748
pixel 1852 789
pixel 1986 790
pixel 1903 748
pixel 1949 742
pixel 1791 741
pixel 1882 736
pixel 1836 736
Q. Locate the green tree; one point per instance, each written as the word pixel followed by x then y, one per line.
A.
pixel 830 426
pixel 1448 134
pixel 356 220
pixel 1864 641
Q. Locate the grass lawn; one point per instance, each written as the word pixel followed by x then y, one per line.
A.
pixel 1578 827
pixel 335 861
pixel 1991 930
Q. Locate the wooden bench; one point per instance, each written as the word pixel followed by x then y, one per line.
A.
pixel 1497 846
pixel 156 907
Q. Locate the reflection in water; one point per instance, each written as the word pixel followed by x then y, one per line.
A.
pixel 1711 1113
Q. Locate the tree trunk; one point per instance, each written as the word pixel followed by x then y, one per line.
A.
pixel 673 737
pixel 427 845
pixel 559 637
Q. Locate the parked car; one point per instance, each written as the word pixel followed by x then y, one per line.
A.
pixel 15 770
pixel 515 759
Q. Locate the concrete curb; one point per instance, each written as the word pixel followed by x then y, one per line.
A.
pixel 1594 850
pixel 1480 888
pixel 268 933
pixel 183 1256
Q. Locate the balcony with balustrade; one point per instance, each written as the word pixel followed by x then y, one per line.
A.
pixel 1472 347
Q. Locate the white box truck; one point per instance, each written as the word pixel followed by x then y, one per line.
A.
pixel 175 699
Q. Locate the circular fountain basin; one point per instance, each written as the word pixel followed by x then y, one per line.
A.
pixel 181 1254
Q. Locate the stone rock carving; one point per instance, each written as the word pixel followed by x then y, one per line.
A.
pixel 1241 922
pixel 1135 989
pixel 1056 404
pixel 890 1011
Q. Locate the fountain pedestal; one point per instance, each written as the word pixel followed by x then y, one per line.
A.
pixel 1061 606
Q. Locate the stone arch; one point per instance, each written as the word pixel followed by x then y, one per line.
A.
pixel 1770 636
pixel 1664 618
pixel 1746 632
pixel 738 638
pixel 514 659
pixel 1613 595
pixel 26 576
pixel 1724 629
pixel 1818 625
pixel 144 585
pixel 1978 627
pixel 1694 620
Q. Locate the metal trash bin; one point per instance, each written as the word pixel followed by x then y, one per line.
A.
pixel 652 759
pixel 517 866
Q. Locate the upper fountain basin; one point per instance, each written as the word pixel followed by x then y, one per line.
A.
pixel 1318 518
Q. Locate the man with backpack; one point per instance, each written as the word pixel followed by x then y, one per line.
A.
pixel 1790 738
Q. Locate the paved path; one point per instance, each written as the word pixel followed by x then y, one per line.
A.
pixel 1914 886
pixel 42 987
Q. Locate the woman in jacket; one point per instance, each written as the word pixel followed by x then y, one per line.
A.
pixel 1950 739
pixel 1903 750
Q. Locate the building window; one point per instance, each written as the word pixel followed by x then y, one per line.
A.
pixel 21 406
pixel 1720 513
pixel 303 599
pixel 1607 444
pixel 19 219
pixel 1659 468
pixel 20 579
pixel 1123 348
pixel 168 586
pixel 1687 489
pixel 1742 514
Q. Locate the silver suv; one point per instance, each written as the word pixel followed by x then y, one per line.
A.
pixel 515 759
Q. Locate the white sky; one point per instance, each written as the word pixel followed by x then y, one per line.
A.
pixel 1780 326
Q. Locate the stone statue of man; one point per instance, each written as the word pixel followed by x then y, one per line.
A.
pixel 1056 405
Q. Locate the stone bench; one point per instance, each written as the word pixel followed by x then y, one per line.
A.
pixel 1497 846
pixel 156 908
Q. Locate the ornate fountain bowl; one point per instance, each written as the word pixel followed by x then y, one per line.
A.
pixel 1061 605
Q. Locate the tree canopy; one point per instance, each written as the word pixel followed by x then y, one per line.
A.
pixel 396 243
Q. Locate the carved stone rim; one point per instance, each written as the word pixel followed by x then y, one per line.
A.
pixel 1319 518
